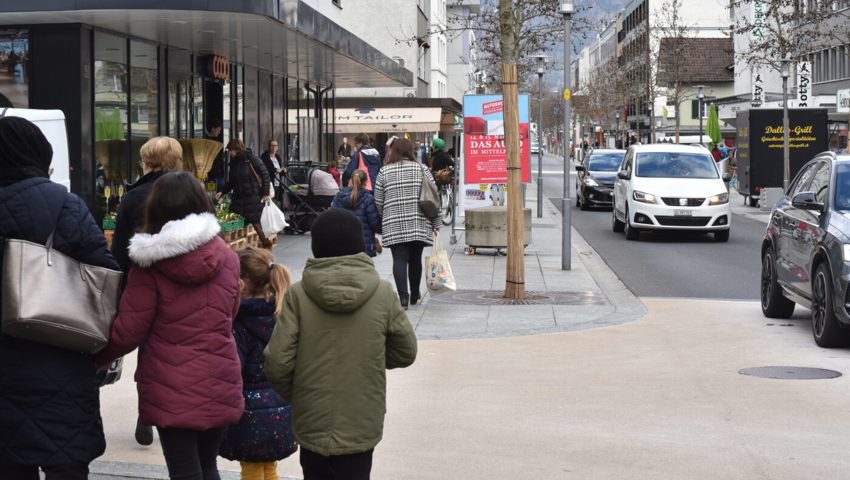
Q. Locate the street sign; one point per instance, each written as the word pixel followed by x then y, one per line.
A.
pixel 568 94
pixel 842 101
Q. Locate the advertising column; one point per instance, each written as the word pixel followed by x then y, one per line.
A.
pixel 485 161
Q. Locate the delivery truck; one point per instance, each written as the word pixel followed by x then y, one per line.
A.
pixel 760 146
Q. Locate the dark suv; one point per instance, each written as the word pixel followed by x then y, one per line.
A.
pixel 595 178
pixel 805 255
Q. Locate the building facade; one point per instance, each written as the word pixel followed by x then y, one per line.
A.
pixel 461 51
pixel 263 70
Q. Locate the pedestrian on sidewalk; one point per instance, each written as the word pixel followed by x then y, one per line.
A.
pixel 340 330
pixel 181 296
pixel 264 433
pixel 357 200
pixel 159 156
pixel 406 230
pixel 249 181
pixel 366 158
pixel 50 415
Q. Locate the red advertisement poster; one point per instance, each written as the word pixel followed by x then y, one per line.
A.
pixel 484 139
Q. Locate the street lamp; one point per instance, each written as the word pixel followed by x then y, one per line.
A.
pixel 701 97
pixel 786 154
pixel 617 136
pixel 541 64
pixel 567 10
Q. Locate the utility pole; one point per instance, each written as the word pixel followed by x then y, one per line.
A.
pixel 541 63
pixel 786 154
pixel 567 10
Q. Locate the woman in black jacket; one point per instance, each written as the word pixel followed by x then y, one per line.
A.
pixel 49 399
pixel 249 182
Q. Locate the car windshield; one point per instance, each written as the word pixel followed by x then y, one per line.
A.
pixel 675 165
pixel 842 186
pixel 604 162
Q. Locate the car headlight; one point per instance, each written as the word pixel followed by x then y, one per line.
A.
pixel 644 197
pixel 846 251
pixel 590 182
pixel 719 199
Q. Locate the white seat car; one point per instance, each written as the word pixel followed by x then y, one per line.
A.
pixel 671 187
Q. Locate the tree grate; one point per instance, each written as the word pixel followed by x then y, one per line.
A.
pixel 491 297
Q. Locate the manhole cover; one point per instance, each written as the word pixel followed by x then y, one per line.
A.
pixel 490 297
pixel 790 373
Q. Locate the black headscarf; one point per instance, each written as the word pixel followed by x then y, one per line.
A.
pixel 24 151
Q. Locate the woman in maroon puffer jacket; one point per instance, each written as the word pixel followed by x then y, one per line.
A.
pixel 181 297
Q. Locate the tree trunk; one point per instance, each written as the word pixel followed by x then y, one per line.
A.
pixel 678 122
pixel 509 40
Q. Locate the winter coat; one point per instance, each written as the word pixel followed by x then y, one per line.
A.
pixel 441 159
pixel 49 398
pixel 365 211
pixel 397 199
pixel 179 304
pixel 131 215
pixel 340 329
pixel 371 158
pixel 270 168
pixel 264 433
pixel 243 183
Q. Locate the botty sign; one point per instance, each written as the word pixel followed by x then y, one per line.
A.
pixel 804 78
pixel 485 152
pixel 218 67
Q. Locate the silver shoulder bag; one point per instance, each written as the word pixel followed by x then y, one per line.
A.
pixel 50 298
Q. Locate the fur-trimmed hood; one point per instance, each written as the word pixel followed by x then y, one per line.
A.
pixel 186 250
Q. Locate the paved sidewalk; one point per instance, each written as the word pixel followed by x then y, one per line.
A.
pixel 740 207
pixel 588 296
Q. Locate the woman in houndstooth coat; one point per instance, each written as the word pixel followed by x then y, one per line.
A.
pixel 406 230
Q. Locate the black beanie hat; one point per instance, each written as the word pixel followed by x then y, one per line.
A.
pixel 24 151
pixel 336 233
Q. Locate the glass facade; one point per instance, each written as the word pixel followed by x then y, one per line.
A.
pixel 111 103
pixel 14 68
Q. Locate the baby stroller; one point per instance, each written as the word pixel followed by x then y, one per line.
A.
pixel 305 201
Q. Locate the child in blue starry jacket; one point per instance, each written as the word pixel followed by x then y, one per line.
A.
pixel 264 433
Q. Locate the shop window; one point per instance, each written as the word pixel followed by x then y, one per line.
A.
pixel 197 107
pixel 14 68
pixel 110 116
pixel 252 114
pixel 144 100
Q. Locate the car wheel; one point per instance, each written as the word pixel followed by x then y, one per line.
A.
pixel 721 236
pixel 825 327
pixel 616 225
pixel 578 197
pixel 632 233
pixel 773 303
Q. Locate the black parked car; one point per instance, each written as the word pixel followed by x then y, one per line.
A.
pixel 595 178
pixel 805 255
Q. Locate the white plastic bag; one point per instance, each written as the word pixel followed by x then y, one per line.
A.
pixel 272 220
pixel 438 272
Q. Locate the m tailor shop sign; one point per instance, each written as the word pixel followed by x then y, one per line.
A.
pixel 485 152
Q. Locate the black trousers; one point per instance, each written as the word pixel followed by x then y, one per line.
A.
pixel 60 472
pixel 191 454
pixel 407 265
pixel 356 466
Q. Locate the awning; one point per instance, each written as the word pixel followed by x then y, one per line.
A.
pixel 388 120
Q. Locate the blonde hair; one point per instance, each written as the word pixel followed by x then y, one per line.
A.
pixel 358 181
pixel 162 154
pixel 263 276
